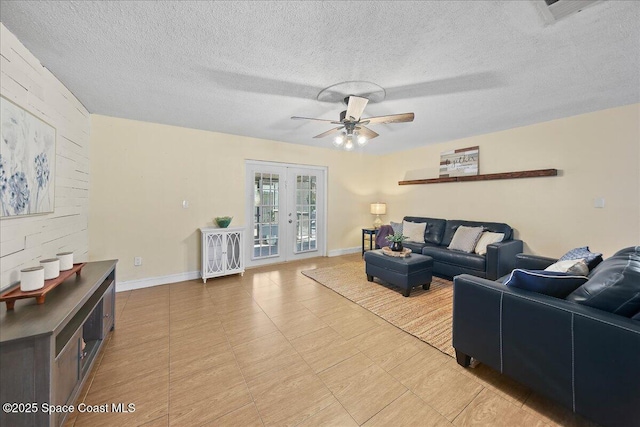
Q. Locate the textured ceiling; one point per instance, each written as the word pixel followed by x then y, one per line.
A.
pixel 464 67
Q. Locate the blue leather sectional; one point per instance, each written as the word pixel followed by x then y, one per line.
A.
pixel 499 260
pixel 582 351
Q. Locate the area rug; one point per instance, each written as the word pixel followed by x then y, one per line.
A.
pixel 426 315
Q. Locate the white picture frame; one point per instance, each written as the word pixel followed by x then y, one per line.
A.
pixel 460 162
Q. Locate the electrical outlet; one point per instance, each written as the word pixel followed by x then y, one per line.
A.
pixel 598 202
pixel 185 204
pixel 137 261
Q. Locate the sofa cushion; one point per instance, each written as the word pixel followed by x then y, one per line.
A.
pixel 487 238
pixel 573 266
pixel 495 227
pixel 444 255
pixel 433 231
pixel 414 231
pixel 415 247
pixel 552 283
pixel 591 258
pixel 614 286
pixel 631 250
pixel 465 239
pixel 637 316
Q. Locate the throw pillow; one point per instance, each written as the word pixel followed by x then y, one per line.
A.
pixel 397 227
pixel 573 266
pixel 465 238
pixel 552 283
pixel 414 230
pixel 487 238
pixel 591 258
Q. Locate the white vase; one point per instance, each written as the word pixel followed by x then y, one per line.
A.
pixel 31 279
pixel 51 268
pixel 66 260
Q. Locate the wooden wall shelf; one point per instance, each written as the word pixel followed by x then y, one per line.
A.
pixel 486 177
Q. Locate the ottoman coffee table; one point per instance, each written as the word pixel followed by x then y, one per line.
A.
pixel 405 273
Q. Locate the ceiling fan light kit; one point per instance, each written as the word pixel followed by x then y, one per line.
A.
pixel 346 140
pixel 354 125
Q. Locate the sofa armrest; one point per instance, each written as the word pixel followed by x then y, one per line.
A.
pixel 533 262
pixel 501 258
pixel 582 357
pixel 476 320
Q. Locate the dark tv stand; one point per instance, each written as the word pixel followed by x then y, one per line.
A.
pixel 42 362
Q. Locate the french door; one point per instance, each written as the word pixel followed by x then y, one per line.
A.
pixel 286 212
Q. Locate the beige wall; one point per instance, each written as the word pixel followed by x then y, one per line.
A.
pixel 597 155
pixel 25 240
pixel 141 172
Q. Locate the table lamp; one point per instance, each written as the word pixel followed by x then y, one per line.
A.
pixel 378 209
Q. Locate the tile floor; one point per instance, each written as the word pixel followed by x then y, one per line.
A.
pixel 274 348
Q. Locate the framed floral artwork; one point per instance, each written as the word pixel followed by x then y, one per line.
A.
pixel 27 162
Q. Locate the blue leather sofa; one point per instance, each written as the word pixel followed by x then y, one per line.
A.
pixel 582 351
pixel 499 260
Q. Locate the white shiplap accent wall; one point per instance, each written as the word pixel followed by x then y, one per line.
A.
pixel 26 240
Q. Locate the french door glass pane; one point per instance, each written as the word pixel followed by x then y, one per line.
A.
pixel 265 214
pixel 306 209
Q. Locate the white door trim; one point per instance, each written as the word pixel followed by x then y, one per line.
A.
pixel 322 249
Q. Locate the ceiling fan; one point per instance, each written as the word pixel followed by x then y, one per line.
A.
pixel 353 124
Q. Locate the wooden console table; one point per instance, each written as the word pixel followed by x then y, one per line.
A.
pixel 41 352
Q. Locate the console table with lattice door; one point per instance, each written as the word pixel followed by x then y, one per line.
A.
pixel 222 252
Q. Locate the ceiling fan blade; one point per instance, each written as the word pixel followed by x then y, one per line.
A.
pixel 395 118
pixel 329 132
pixel 366 132
pixel 309 118
pixel 355 107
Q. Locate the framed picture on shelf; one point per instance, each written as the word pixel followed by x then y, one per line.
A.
pixel 27 162
pixel 460 162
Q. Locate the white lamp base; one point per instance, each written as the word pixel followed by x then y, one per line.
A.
pixel 378 222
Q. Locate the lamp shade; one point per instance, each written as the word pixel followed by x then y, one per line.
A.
pixel 378 208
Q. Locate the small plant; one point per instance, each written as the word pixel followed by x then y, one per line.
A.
pixel 397 237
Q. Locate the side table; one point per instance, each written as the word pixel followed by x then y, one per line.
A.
pixel 370 234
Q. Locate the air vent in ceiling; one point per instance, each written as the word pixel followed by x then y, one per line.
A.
pixel 554 10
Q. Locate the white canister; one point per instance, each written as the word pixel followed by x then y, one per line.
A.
pixel 66 260
pixel 31 279
pixel 51 268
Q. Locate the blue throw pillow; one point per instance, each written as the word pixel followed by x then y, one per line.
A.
pixel 591 258
pixel 552 283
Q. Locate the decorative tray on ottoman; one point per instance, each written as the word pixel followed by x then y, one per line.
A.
pixel 405 252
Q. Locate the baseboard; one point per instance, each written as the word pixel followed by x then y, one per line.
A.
pixel 345 251
pixel 130 285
